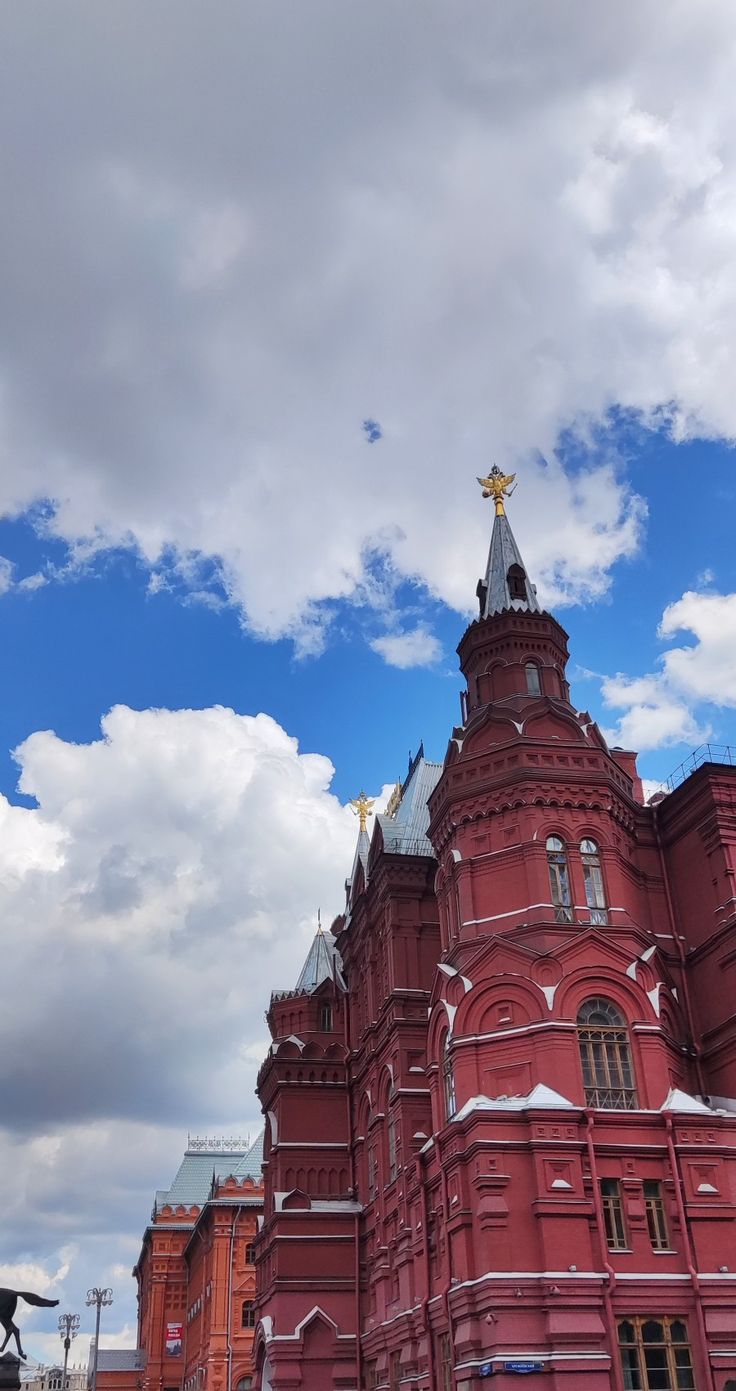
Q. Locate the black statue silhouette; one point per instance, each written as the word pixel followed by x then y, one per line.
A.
pixel 8 1302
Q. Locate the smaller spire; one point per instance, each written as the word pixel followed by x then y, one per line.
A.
pixel 506 584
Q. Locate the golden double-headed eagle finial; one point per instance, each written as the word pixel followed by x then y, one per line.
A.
pixel 498 486
pixel 362 808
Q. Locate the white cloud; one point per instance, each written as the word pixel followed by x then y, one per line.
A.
pixel 158 858
pixel 675 704
pixel 528 220
pixel 706 670
pixel 417 647
pixel 167 880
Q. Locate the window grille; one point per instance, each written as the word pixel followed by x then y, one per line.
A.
pixel 250 1253
pixel 559 879
pixel 655 1355
pixel 613 1214
pixel 603 1039
pixel 656 1216
pixel 595 893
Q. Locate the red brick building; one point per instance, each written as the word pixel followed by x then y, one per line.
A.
pixel 501 1100
pixel 196 1279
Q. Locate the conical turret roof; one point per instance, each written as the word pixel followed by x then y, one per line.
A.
pixel 321 963
pixel 506 584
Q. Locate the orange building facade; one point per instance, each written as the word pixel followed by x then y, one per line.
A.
pixel 196 1279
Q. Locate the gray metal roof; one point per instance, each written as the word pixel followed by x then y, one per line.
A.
pixel 193 1180
pixel 250 1164
pixel 120 1359
pixel 406 832
pixel 321 964
pixel 494 590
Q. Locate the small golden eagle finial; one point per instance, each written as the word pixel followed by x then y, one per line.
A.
pixel 394 801
pixel 498 486
pixel 362 808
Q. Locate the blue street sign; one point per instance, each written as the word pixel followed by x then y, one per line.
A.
pixel 485 1369
pixel 523 1368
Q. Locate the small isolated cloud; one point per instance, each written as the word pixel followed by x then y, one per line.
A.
pixel 417 647
pixel 6 574
pixel 372 431
pixel 670 706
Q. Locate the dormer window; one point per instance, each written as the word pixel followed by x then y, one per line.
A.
pixel 533 683
pixel 516 580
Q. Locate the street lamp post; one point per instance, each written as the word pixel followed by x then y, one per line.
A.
pixel 100 1299
pixel 68 1329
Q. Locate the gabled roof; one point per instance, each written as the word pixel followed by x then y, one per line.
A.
pixel 494 591
pixel 405 833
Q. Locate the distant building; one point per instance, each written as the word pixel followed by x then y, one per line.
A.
pixel 41 1378
pixel 501 1097
pixel 196 1278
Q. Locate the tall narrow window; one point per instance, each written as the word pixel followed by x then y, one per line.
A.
pixel 613 1214
pixel 603 1039
pixel 656 1216
pixel 444 1359
pixel 533 683
pixel 325 1019
pixel 394 1371
pixel 248 1317
pixel 448 1080
pixel 372 1173
pixel 250 1252
pixel 559 879
pixel 595 894
pixel 655 1355
pixel 393 1160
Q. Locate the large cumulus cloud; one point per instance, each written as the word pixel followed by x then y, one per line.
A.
pixel 168 877
pixel 232 234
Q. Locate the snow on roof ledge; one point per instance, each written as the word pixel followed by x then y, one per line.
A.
pixel 540 1095
pixel 677 1100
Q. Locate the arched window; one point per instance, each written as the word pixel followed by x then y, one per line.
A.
pixel 245 1384
pixel 559 879
pixel 603 1039
pixel 655 1352
pixel 533 682
pixel 516 580
pixel 325 1019
pixel 248 1317
pixel 448 1081
pixel 595 893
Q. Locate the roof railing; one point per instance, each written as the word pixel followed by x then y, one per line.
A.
pixel 704 753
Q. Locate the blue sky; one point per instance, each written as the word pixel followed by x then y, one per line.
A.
pixel 276 284
pixel 82 643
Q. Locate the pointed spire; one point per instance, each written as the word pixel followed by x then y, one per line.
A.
pixel 506 584
pixel 319 963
